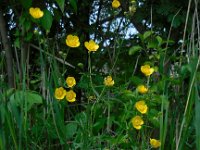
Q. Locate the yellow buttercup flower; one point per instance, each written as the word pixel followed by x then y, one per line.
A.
pixel 72 41
pixel 155 143
pixel 141 107
pixel 137 122
pixel 115 4
pixel 70 81
pixel 60 93
pixel 146 70
pixel 36 12
pixel 142 89
pixel 91 46
pixel 71 96
pixel 108 81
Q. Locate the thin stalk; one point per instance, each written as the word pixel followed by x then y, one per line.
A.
pixel 187 103
pixel 90 75
pixel 185 28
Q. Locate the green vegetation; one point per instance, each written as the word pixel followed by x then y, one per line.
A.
pixel 99 74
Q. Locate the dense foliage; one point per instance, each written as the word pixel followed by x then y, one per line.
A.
pixel 99 74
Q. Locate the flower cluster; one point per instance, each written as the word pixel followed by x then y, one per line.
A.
pixel 36 13
pixel 61 93
pixel 115 4
pixel 141 106
pixel 73 41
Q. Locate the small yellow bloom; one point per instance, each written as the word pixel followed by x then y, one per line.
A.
pixel 60 93
pixel 155 143
pixel 36 12
pixel 142 89
pixel 71 96
pixel 108 81
pixel 72 41
pixel 146 70
pixel 137 122
pixel 70 81
pixel 141 107
pixel 91 46
pixel 115 4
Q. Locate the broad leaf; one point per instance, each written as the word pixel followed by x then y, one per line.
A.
pixel 21 98
pixel 47 20
pixel 71 129
pixel 134 49
pixel 147 34
pixel 61 4
pixel 74 4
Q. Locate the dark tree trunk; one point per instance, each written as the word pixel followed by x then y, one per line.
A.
pixel 7 48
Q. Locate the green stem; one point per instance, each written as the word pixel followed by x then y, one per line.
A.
pixel 90 75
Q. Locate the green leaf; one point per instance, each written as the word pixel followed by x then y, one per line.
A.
pixel 136 80
pixel 29 36
pixel 159 39
pixel 19 98
pixel 147 34
pixel 134 49
pixel 47 20
pixel 74 4
pixel 152 44
pixel 61 4
pixel 27 25
pixel 99 124
pixel 17 43
pixel 70 129
pixel 26 3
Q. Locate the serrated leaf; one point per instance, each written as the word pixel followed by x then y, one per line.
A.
pixel 61 4
pixel 47 20
pixel 134 49
pixel 147 34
